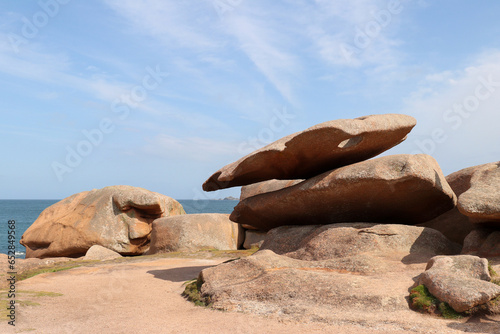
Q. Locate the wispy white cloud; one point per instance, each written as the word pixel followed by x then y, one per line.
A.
pixel 192 148
pixel 268 51
pixel 354 33
pixel 172 22
pixel 458 115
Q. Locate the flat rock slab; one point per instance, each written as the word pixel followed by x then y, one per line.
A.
pixel 406 189
pixel 316 150
pixel 116 217
pixel 269 283
pixel 195 232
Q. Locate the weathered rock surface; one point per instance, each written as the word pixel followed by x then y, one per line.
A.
pixel 195 232
pixel 315 274
pixel 315 150
pixel 482 242
pixel 266 187
pixel 481 201
pixel 254 239
pixel 453 224
pixel 117 217
pixel 466 266
pixel 405 189
pixel 461 281
pixel 97 252
pixel 343 240
pixel 268 283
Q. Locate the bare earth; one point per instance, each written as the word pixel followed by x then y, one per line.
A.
pixel 145 297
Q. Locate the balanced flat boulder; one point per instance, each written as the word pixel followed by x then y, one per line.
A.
pixel 315 150
pixel 117 217
pixel 195 232
pixel 461 281
pixel 405 189
pixel 481 201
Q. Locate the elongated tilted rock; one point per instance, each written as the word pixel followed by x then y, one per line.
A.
pixel 315 150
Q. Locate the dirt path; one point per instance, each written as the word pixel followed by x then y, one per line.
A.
pixel 144 297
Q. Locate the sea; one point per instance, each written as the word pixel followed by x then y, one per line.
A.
pixel 25 212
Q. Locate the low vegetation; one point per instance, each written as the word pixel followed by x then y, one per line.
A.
pixel 23 298
pixel 495 278
pixel 422 300
pixel 46 269
pixel 192 293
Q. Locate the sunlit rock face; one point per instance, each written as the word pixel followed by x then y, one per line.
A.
pixel 315 150
pixel 116 217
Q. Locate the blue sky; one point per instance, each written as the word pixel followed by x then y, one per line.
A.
pixel 160 93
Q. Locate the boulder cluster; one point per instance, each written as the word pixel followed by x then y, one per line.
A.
pixel 335 224
pixel 320 206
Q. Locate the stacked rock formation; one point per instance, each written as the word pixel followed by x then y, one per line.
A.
pixel 340 184
pixel 328 212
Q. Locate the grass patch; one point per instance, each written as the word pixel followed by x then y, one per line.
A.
pixel 23 298
pixel 52 269
pixel 232 253
pixel 491 270
pixel 422 300
pixel 448 312
pixel 193 294
pixel 495 278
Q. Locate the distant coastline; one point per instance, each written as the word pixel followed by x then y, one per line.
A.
pixel 230 198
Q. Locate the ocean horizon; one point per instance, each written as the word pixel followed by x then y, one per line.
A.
pixel 25 211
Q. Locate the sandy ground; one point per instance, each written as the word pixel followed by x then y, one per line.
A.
pixel 145 297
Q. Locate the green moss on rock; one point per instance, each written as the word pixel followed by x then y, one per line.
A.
pixel 422 300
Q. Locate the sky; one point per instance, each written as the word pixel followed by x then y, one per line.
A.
pixel 160 94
